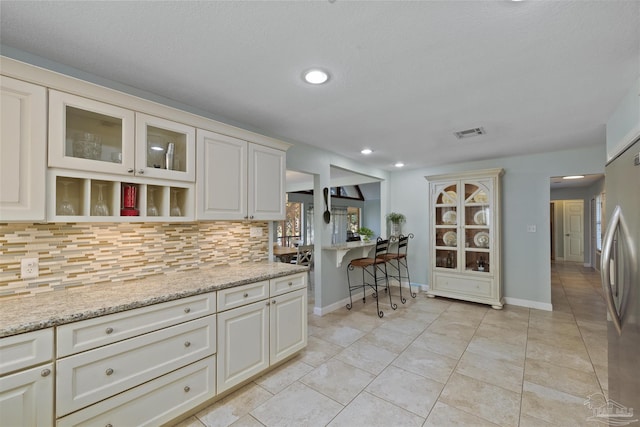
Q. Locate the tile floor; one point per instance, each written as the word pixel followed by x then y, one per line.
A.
pixel 437 362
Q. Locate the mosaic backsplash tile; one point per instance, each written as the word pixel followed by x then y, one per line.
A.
pixel 80 254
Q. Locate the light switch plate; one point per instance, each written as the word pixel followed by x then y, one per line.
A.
pixel 255 232
pixel 29 268
pixel 531 228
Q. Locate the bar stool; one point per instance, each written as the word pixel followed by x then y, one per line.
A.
pixel 398 261
pixel 376 269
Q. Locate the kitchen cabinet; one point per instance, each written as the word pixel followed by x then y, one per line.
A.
pixel 26 379
pixel 255 335
pixel 128 351
pixel 465 236
pixel 23 143
pixel 239 179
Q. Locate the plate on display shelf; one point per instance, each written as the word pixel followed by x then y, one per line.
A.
pixel 480 217
pixel 481 239
pixel 450 217
pixel 450 238
pixel 449 197
pixel 481 197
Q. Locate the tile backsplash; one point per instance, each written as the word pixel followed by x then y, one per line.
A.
pixel 80 254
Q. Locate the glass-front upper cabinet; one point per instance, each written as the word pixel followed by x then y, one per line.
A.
pixel 165 149
pixel 477 226
pixel 446 225
pixel 93 136
pixel 89 135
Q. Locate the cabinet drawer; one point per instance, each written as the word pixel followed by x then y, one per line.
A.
pixel 24 350
pixel 152 403
pixel 88 334
pixel 241 295
pixel 88 377
pixel 285 284
pixel 463 285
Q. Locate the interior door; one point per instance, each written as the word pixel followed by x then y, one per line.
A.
pixel 574 230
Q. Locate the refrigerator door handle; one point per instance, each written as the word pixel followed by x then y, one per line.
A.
pixel 605 267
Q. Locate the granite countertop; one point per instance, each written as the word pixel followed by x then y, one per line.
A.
pixel 59 307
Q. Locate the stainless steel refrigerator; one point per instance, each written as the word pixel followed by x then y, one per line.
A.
pixel 621 283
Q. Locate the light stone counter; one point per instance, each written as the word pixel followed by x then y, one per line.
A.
pixel 343 248
pixel 59 307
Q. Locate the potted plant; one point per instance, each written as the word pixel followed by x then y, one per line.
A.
pixel 365 233
pixel 396 220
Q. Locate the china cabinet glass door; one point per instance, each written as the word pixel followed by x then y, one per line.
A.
pixel 446 226
pixel 477 227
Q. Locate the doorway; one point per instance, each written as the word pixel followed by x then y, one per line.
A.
pixel 573 225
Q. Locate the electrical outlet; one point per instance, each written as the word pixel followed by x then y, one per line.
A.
pixel 531 228
pixel 255 232
pixel 29 268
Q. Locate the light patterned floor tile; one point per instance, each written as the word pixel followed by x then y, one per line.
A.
pixel 343 336
pixel 297 405
pixel 367 357
pixel 247 421
pixel 406 390
pixel 441 344
pixel 445 415
pixel 367 410
pixel 230 409
pixel 578 383
pixel 496 372
pixel 318 351
pixel 554 406
pixel 278 379
pixel 388 339
pixel 426 363
pixel 190 422
pixel 338 380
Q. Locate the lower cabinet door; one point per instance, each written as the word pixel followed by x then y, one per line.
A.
pixel 154 402
pixel 243 343
pixel 26 398
pixel 288 324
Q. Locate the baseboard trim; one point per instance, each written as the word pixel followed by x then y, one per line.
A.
pixel 587 264
pixel 529 304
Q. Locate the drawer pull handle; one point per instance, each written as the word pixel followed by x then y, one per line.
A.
pixel 130 170
pixel 246 294
pixel 187 389
pixel 141 171
pixel 187 344
pixel 290 283
pixel 187 310
pixel 109 371
pixel 109 331
pixel 45 372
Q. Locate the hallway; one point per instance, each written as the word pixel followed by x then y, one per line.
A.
pixel 437 362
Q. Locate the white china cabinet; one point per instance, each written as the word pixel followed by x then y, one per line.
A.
pixel 465 236
pixel 23 142
pixel 239 179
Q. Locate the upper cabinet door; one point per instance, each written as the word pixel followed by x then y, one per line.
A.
pixel 165 149
pixel 222 177
pixel 267 174
pixel 23 142
pixel 90 135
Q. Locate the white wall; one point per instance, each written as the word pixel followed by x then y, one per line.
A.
pixel 525 201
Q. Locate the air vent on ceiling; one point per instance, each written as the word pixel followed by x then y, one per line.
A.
pixel 468 133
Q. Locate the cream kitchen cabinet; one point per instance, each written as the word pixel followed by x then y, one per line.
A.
pixel 23 142
pixel 94 136
pixel 255 335
pixel 132 352
pixel 26 379
pixel 464 244
pixel 239 179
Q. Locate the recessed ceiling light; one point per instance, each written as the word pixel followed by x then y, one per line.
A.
pixel 366 151
pixel 399 164
pixel 316 76
pixel 573 177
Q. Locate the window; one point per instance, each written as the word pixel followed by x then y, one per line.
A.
pixel 290 230
pixel 353 219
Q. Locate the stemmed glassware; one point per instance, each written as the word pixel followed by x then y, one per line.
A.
pixel 152 210
pixel 175 209
pixel 100 208
pixel 65 207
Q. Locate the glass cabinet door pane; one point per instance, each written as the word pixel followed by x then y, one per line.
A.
pixel 166 149
pixel 93 136
pixel 477 261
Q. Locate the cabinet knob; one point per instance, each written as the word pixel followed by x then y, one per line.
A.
pixel 273 302
pixel 268 304
pixel 45 372
pixel 187 310
pixel 140 171
pixel 109 371
pixel 290 283
pixel 187 389
pixel 109 331
pixel 109 425
pixel 251 217
pixel 187 344
pixel 130 170
pixel 246 217
pixel 246 294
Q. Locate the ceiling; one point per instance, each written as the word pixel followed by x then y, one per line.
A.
pixel 557 182
pixel 536 75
